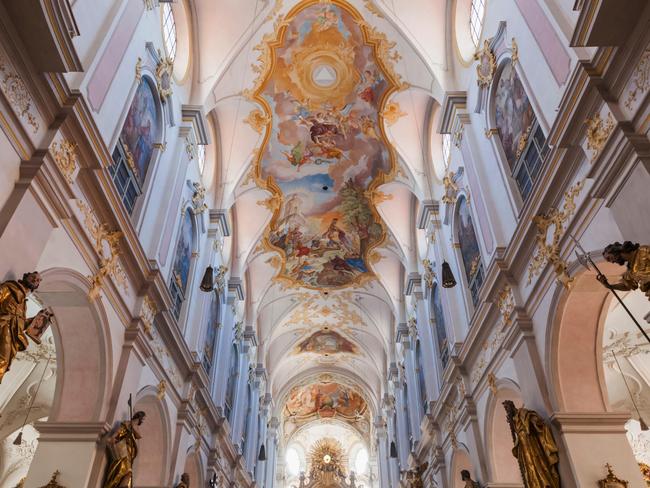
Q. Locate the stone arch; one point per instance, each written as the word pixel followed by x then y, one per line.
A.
pixel 150 467
pixel 82 341
pixel 194 467
pixel 502 465
pixel 460 460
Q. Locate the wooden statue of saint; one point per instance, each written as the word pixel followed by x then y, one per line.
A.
pixel 15 327
pixel 185 481
pixel 637 259
pixel 534 447
pixel 467 478
pixel 123 449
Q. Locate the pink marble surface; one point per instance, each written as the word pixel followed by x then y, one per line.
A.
pixel 104 73
pixel 549 42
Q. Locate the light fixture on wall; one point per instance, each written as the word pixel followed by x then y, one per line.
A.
pixel 393 450
pixel 448 279
pixel 262 456
pixel 207 283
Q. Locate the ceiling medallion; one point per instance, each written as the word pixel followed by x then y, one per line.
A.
pixel 323 82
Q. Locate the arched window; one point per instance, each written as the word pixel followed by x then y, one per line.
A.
pixel 169 30
pixel 521 136
pixel 469 249
pixel 182 262
pixel 446 150
pixel 134 149
pixel 211 334
pixel 419 368
pixel 247 421
pixel 233 373
pixel 476 13
pixel 441 331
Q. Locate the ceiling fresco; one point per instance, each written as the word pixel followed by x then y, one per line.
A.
pixel 324 400
pixel 326 342
pixel 324 81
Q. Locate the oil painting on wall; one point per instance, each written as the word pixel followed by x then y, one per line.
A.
pixel 140 128
pixel 469 249
pixel 325 150
pixel 181 268
pixel 211 333
pixel 326 342
pixel 441 331
pixel 514 114
pixel 324 400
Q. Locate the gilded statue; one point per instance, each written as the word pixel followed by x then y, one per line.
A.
pixel 467 478
pixel 185 481
pixel 535 448
pixel 637 258
pixel 15 327
pixel 414 476
pixel 123 449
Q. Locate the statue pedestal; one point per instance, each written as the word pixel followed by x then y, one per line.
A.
pixel 589 441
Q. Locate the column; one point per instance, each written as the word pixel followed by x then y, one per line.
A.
pixel 428 343
pixel 260 466
pixel 271 452
pixel 382 452
pixel 223 349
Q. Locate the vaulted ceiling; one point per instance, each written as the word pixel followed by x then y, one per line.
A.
pixel 322 111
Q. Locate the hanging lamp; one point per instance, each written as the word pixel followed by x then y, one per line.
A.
pixel 448 279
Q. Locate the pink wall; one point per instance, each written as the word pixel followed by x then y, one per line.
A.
pixel 549 42
pixel 105 71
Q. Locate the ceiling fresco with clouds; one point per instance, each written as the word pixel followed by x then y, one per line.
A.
pixel 324 81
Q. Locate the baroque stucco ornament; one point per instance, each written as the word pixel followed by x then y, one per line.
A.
pixel 598 131
pixel 487 65
pixel 65 157
pixel 551 224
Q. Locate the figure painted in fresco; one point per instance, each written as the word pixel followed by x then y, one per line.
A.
pixel 324 400
pixel 15 327
pixel 534 447
pixel 637 258
pixel 123 449
pixel 467 238
pixel 325 149
pixel 326 342
pixel 183 256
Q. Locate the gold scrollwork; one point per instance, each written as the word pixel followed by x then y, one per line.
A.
pixel 514 56
pixel 372 8
pixel 506 304
pixel 164 71
pixel 549 252
pixel 161 389
pixel 523 140
pixel 65 158
pixel 640 79
pixel 451 188
pixel 106 246
pixel 198 199
pixel 392 113
pixel 429 273
pixel 487 65
pixel 258 120
pixel 148 313
pixel 13 86
pixel 491 132
pixel 138 70
pixel 53 483
pixel 598 131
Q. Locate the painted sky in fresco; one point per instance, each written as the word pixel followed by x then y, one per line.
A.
pixel 326 149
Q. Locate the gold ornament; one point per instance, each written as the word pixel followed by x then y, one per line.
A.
pixel 162 389
pixel 451 188
pixel 258 120
pixel 65 158
pixel 164 71
pixel 611 480
pixel 429 274
pixel 487 65
pixel 549 252
pixel 392 113
pixel 53 482
pixel 514 56
pixel 598 131
pixel 506 304
pixel 138 70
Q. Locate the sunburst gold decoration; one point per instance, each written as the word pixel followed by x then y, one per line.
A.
pixel 327 455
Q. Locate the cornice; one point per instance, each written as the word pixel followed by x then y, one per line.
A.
pixel 428 211
pixel 453 104
pixel 193 116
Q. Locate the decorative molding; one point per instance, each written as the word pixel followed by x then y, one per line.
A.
pixel 598 131
pixel 193 115
pixel 13 87
pixel 106 245
pixel 161 389
pixel 372 8
pixel 549 252
pixel 514 55
pixel 492 383
pixel 451 187
pixel 429 209
pixel 491 132
pixel 65 158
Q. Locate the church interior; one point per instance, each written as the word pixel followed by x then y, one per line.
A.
pixel 324 243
